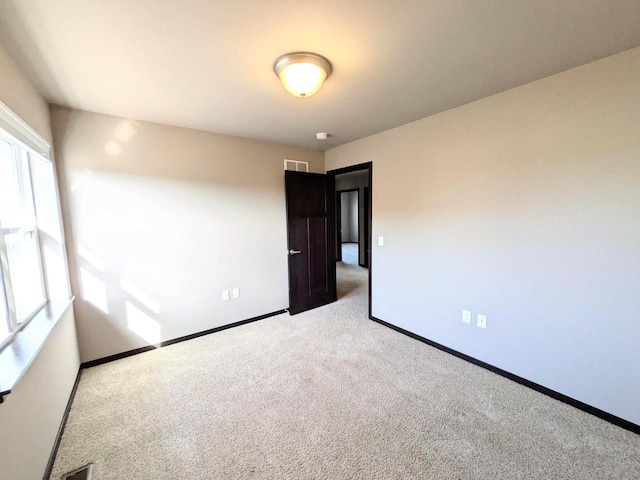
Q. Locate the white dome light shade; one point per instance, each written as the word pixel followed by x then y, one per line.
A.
pixel 302 79
pixel 302 73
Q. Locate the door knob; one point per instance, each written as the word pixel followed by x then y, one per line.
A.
pixel 294 252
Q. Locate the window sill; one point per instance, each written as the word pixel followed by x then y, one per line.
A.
pixel 17 355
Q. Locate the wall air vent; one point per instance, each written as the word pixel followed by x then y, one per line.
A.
pixel 296 165
pixel 83 473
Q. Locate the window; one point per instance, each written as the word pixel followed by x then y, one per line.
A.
pixel 27 213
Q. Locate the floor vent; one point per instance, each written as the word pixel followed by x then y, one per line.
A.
pixel 83 473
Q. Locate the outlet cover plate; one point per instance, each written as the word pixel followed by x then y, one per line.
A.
pixel 482 321
pixel 466 316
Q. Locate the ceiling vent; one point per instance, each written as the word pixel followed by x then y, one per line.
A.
pixel 296 166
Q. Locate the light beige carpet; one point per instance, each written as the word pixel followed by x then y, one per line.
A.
pixel 327 394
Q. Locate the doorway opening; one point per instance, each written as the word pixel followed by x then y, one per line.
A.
pixel 347 221
pixel 353 216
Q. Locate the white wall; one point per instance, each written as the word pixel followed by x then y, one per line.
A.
pixel 161 220
pixel 31 415
pixel 353 216
pixel 349 216
pixel 345 217
pixel 523 206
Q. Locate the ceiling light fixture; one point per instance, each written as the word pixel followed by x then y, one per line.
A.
pixel 322 135
pixel 302 73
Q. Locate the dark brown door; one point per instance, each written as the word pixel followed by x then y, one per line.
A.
pixel 310 232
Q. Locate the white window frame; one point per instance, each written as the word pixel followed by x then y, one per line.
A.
pixel 27 147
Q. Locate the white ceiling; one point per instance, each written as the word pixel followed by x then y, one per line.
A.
pixel 207 64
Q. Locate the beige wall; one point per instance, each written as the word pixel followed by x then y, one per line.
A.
pixel 523 206
pixel 161 220
pixel 20 96
pixel 31 415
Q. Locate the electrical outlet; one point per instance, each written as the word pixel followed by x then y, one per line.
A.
pixel 482 321
pixel 466 316
pixel 236 293
pixel 380 241
pixel 225 295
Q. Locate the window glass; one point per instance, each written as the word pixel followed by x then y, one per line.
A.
pixel 9 188
pixel 16 202
pixel 46 200
pixel 4 315
pixel 25 272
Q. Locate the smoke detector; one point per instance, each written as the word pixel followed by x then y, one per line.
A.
pixel 322 135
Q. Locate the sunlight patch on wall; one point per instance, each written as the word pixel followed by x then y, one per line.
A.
pixel 93 260
pixel 142 324
pixel 112 148
pixel 140 296
pixel 93 290
pixel 80 179
pixel 126 130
